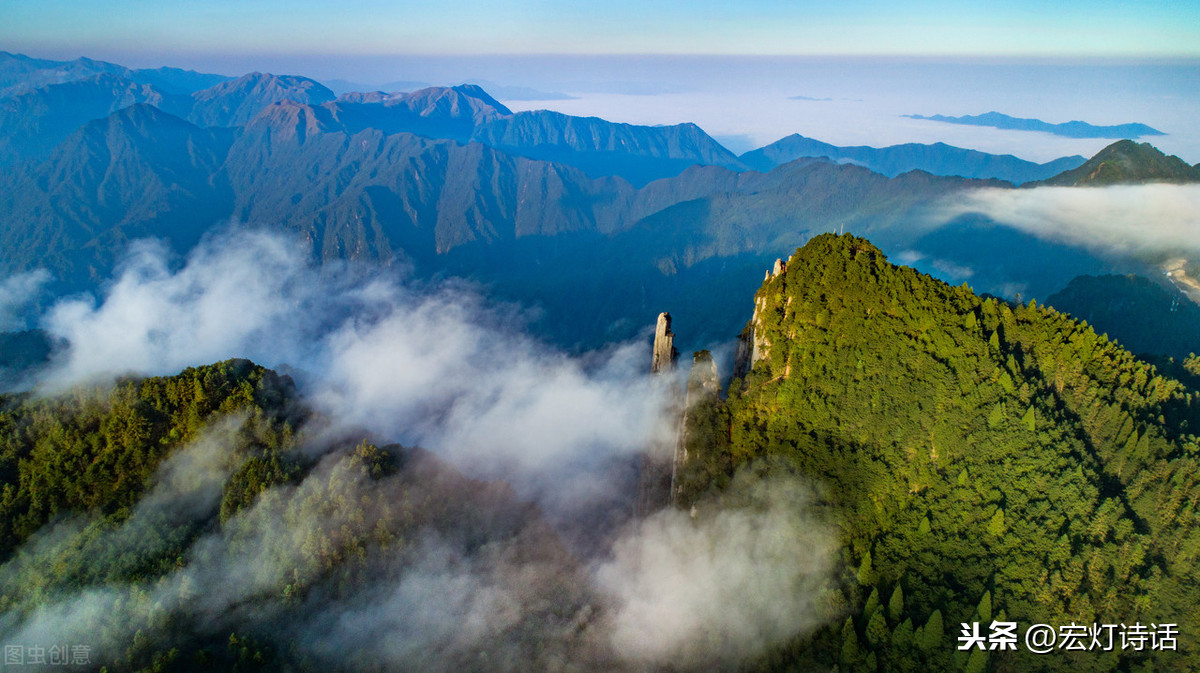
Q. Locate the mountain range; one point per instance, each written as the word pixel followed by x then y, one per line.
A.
pixel 19 73
pixel 529 204
pixel 1072 129
pixel 360 193
pixel 938 158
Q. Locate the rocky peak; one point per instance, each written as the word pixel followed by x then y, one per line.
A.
pixel 664 346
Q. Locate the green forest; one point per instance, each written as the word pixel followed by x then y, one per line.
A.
pixel 981 461
pixel 213 565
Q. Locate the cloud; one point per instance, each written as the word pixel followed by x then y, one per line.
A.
pixel 473 581
pixel 426 569
pixel 435 373
pixel 17 293
pixel 237 295
pixel 1125 220
pixel 955 271
pixel 435 366
pixel 721 586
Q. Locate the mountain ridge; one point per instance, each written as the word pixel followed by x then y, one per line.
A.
pixel 20 73
pixel 1127 162
pixel 1071 129
pixel 936 158
pixel 964 446
pixel 507 221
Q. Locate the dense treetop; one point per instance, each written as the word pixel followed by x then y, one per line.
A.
pixel 980 459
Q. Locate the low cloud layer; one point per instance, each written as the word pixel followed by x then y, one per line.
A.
pixel 436 366
pixel 480 580
pixel 465 588
pixel 722 587
pixel 1149 221
pixel 243 295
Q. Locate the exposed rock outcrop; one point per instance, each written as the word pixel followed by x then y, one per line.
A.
pixel 752 345
pixel 657 463
pixel 664 346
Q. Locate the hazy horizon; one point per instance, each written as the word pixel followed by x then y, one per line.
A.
pixel 746 102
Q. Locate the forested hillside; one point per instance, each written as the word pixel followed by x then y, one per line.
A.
pixel 982 461
pixel 186 523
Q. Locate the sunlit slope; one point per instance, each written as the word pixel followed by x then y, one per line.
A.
pixel 1128 162
pixel 983 460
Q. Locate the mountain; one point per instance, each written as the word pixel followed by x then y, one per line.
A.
pixel 531 231
pixel 372 195
pixel 19 73
pixel 697 242
pixel 204 486
pixel 467 113
pixel 981 460
pixel 33 122
pixel 938 158
pixel 1145 317
pixel 236 102
pixel 452 113
pixel 139 172
pixel 179 81
pixel 1127 162
pixel 1072 129
pixel 640 154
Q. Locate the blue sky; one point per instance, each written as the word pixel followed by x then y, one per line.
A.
pixel 1021 28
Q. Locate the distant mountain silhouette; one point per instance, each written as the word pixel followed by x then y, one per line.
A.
pixel 19 73
pixel 452 113
pixel 1072 129
pixel 33 122
pixel 1128 162
pixel 938 159
pixel 467 113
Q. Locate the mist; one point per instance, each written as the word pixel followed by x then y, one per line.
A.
pixel 1151 222
pixel 467 556
pixel 723 585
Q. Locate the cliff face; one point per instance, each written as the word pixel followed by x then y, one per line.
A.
pixel 752 344
pixel 657 468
